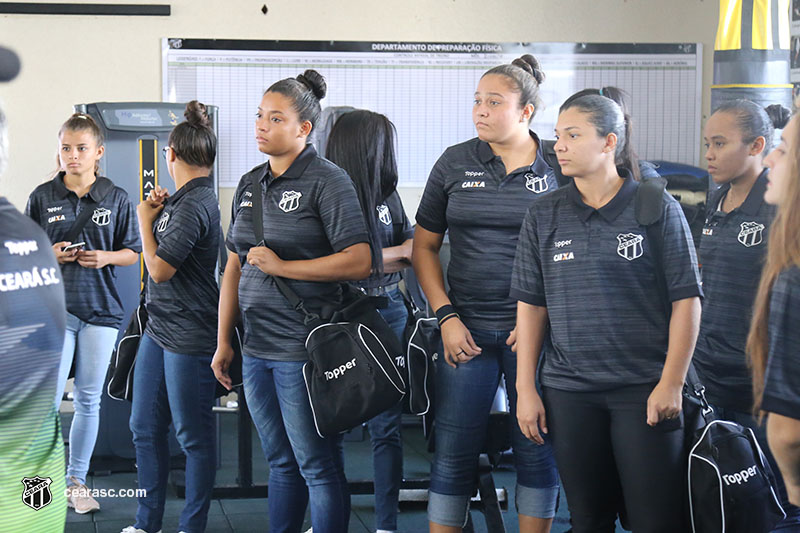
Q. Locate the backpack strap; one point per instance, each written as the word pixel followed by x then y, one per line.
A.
pixel 648 209
pixel 649 204
pixel 550 157
pixel 258 228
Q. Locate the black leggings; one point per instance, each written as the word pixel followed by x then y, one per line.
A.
pixel 612 462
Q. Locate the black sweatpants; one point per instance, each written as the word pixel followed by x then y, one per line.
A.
pixel 607 454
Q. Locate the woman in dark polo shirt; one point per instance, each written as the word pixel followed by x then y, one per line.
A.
pixel 362 143
pixel 732 250
pixel 479 191
pixel 173 380
pixel 94 308
pixel 594 287
pixel 314 237
pixel 774 341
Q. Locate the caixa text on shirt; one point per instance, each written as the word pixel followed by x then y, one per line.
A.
pixel 28 279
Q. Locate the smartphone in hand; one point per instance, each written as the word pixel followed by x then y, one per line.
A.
pixel 73 246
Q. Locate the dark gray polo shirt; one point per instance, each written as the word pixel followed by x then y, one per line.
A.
pixel 32 323
pixel 595 271
pixel 469 195
pixel 732 252
pixel 310 211
pixel 395 229
pixel 182 312
pixel 782 380
pixel 91 293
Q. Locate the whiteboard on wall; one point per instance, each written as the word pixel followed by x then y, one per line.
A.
pixel 426 89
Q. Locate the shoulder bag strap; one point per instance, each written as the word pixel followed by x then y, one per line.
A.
pixel 258 228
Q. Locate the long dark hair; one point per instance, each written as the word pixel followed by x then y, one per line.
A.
pixel 626 155
pixel 362 143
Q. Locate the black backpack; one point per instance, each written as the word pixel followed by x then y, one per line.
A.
pixel 421 343
pixel 731 485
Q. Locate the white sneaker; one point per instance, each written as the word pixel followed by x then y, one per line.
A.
pixel 310 530
pixel 131 529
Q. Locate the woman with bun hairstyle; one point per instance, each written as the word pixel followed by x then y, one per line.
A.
pixel 362 143
pixel 613 308
pixel 479 192
pixel 314 238
pixel 173 380
pixel 779 115
pixel 773 346
pixel 639 169
pixel 109 239
pixel 733 248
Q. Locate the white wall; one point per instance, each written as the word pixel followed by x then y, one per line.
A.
pixel 76 59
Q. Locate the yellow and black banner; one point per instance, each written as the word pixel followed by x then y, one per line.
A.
pixel 751 52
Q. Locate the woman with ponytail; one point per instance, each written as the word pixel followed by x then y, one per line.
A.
pixel 733 247
pixel 479 192
pixel 639 169
pixel 173 380
pixel 94 308
pixel 314 238
pixel 611 307
pixel 773 346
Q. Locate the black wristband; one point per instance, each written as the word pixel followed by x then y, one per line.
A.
pixel 443 311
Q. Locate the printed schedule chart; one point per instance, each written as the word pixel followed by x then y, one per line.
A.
pixel 426 90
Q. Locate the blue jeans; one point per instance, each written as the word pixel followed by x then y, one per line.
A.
pixel 384 431
pixel 464 396
pixel 92 347
pixel 792 521
pixel 303 467
pixel 169 386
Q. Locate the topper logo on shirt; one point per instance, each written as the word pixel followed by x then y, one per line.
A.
pixel 162 222
pixel 101 216
pixel 472 174
pixel 21 247
pixel 384 215
pixel 630 246
pixel 54 209
pixel 751 233
pixel 290 200
pixel 536 184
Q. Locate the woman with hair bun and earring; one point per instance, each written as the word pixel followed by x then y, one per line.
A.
pixel 173 380
pixel 94 308
pixel 314 238
pixel 479 192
